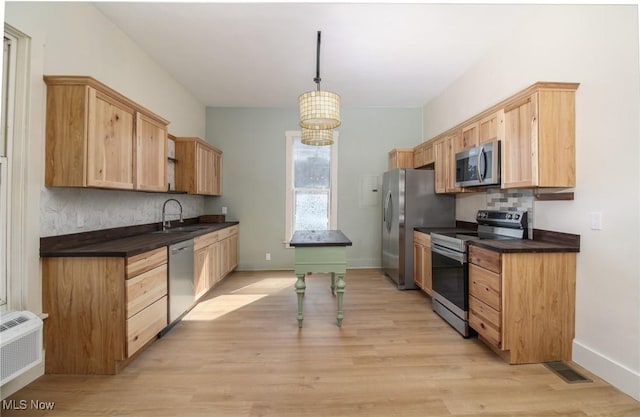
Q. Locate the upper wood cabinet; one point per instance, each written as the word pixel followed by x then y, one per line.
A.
pixel 491 128
pixel 198 167
pixel 539 145
pixel 445 149
pixel 401 158
pixel 151 154
pixel 95 137
pixel 470 134
pixel 423 154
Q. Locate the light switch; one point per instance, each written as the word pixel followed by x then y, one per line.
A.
pixel 596 220
pixel 224 210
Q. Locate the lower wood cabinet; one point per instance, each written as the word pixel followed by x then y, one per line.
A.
pixel 523 304
pixel 422 261
pixel 215 255
pixel 102 310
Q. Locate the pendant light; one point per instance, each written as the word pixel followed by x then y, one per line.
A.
pixel 317 137
pixel 319 110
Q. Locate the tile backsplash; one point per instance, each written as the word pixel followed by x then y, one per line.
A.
pixel 521 199
pixel 76 210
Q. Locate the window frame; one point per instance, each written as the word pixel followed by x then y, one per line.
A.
pixel 290 137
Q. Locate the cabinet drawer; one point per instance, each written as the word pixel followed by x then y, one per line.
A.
pixel 487 259
pixel 146 261
pixel 485 320
pixel 146 325
pixel 228 231
pixel 146 288
pixel 205 240
pixel 485 285
pixel 423 239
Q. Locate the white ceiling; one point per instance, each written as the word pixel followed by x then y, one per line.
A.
pixel 263 54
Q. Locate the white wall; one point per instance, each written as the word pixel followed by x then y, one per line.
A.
pixel 596 46
pixel 75 38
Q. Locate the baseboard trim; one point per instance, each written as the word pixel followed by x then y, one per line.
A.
pixel 625 379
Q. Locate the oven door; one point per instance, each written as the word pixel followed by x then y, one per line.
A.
pixel 450 279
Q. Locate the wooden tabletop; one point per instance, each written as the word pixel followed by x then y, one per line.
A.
pixel 319 238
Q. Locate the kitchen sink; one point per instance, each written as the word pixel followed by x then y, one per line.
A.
pixel 184 229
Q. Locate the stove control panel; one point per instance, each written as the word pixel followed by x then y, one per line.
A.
pixel 505 218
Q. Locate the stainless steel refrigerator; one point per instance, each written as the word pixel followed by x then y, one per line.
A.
pixel 409 201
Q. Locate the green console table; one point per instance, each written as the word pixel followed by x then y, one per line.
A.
pixel 321 251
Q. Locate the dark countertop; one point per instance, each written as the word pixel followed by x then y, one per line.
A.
pixel 133 245
pixel 523 245
pixel 319 238
pixel 543 241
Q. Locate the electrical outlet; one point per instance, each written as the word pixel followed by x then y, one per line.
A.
pixel 224 210
pixel 267 256
pixel 596 220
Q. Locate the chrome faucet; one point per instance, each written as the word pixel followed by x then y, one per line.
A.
pixel 166 223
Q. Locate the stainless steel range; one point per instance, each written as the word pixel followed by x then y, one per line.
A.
pixel 449 262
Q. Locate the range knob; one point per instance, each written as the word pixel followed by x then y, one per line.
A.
pixel 516 216
pixel 509 216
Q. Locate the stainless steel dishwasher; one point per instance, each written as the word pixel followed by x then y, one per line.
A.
pixel 181 289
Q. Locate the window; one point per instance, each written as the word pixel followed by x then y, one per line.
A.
pixel 8 82
pixel 14 112
pixel 312 184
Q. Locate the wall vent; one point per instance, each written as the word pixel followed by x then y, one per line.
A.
pixel 20 343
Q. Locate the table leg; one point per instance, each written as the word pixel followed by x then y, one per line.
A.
pixel 333 283
pixel 300 287
pixel 340 289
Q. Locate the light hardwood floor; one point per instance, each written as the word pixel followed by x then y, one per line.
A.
pixel 240 353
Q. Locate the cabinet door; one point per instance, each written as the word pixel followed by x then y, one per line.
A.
pixel 453 144
pixel 519 150
pixel 151 154
pixel 470 134
pixel 204 170
pixel 233 252
pixel 417 264
pixel 217 173
pixel 440 157
pixel 110 144
pixel 202 270
pixel 418 156
pixel 426 270
pixel 492 128
pixel 217 261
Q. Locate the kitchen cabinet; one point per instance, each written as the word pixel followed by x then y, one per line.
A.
pixel 523 304
pixel 422 261
pixel 470 135
pixel 215 256
pixel 102 310
pixel 401 158
pixel 423 155
pixel 151 154
pixel 199 166
pixel 539 144
pixel 96 137
pixel 445 152
pixel 491 127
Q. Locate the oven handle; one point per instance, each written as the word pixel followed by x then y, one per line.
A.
pixel 482 172
pixel 448 253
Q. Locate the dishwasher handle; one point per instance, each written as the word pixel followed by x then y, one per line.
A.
pixel 179 247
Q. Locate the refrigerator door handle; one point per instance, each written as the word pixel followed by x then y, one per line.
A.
pixel 388 207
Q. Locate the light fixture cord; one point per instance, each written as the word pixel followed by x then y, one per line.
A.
pixel 317 79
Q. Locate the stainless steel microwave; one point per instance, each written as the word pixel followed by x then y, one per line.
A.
pixel 479 166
